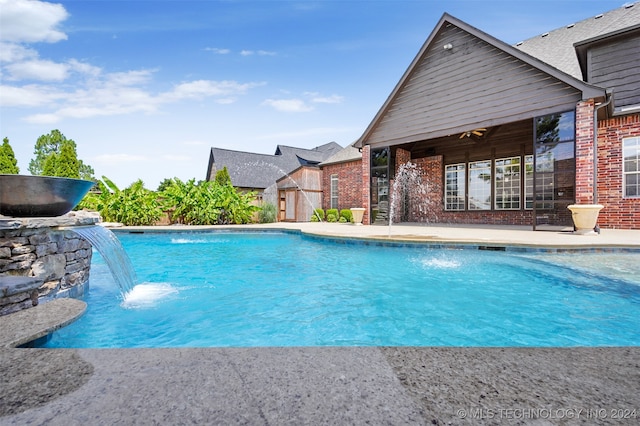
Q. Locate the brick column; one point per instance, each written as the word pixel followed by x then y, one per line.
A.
pixel 584 152
pixel 366 184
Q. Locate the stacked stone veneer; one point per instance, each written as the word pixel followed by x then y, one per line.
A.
pixel 40 248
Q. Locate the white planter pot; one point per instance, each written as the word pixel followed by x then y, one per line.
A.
pixel 585 217
pixel 358 214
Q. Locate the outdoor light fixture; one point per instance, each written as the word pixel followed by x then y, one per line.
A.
pixel 448 46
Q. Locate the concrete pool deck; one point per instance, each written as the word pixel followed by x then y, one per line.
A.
pixel 330 385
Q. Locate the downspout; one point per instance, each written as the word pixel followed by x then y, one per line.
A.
pixel 609 98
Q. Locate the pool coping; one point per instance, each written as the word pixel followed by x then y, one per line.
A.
pixel 518 239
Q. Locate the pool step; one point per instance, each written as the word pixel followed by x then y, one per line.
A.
pixel 30 324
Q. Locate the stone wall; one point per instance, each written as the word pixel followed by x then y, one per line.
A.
pixel 39 248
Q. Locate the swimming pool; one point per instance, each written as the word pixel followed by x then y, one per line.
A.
pixel 208 289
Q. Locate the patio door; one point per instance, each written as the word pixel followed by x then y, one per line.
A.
pixel 554 166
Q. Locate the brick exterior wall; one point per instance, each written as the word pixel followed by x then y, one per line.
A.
pixel 618 212
pixel 349 184
pixel 366 186
pixel 584 152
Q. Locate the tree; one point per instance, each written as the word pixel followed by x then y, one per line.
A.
pixel 222 177
pixel 52 144
pixel 67 162
pixel 8 162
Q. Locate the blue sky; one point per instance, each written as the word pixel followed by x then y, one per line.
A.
pixel 146 88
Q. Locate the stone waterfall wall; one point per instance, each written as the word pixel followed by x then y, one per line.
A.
pixel 37 247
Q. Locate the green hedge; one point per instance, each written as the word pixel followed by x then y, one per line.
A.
pixel 347 215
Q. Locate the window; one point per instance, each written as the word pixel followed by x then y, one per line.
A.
pixel 454 187
pixel 631 170
pixel 544 175
pixel 334 191
pixel 480 185
pixel 528 182
pixel 507 181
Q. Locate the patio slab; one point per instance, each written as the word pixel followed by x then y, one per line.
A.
pixel 320 386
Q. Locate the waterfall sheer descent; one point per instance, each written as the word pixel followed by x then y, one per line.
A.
pixel 113 254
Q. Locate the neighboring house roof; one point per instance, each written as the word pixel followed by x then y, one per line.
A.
pixel 557 49
pixel 483 82
pixel 251 170
pixel 350 153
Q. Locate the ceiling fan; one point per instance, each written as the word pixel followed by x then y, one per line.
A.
pixel 475 132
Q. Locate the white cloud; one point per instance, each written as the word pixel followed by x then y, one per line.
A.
pixel 258 52
pixel 288 105
pixel 218 50
pixel 30 95
pixel 333 99
pixel 38 69
pixel 114 94
pixel 128 78
pixel 31 21
pixel 209 88
pixel 84 68
pixel 12 52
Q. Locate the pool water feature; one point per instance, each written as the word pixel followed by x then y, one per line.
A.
pixel 208 289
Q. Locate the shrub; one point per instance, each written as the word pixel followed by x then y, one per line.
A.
pixel 131 206
pixel 343 220
pixel 318 214
pixel 208 203
pixel 267 213
pixel 332 217
pixel 333 212
pixel 347 215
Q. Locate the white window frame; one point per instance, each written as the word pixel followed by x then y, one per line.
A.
pixel 631 144
pixel 528 182
pixel 480 187
pixel 334 191
pixel 511 170
pixel 454 200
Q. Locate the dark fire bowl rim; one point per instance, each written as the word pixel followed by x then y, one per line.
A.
pixel 40 196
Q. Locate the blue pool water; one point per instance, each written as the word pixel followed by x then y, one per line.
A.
pixel 276 289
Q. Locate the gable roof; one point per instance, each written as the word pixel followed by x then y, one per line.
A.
pixel 497 55
pixel 259 171
pixel 557 47
pixel 350 153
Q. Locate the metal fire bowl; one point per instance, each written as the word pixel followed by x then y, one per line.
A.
pixel 40 196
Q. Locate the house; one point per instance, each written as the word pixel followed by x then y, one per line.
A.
pixel 262 172
pixel 506 134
